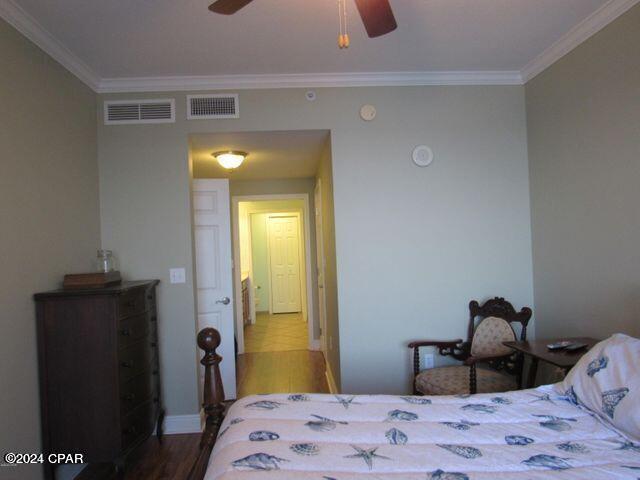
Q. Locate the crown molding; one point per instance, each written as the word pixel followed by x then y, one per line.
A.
pixel 577 35
pixel 34 31
pixel 365 79
pixel 30 28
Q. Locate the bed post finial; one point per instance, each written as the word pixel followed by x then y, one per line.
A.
pixel 213 405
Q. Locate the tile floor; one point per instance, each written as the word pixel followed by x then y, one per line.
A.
pixel 281 332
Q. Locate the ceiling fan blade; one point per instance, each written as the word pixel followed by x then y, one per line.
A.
pixel 228 7
pixel 377 17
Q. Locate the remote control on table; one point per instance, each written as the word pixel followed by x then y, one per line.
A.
pixel 575 346
pixel 559 345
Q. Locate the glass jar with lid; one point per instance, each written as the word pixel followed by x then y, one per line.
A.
pixel 105 261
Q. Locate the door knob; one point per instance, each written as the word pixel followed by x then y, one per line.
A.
pixel 224 301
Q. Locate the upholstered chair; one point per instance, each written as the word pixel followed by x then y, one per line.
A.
pixel 487 365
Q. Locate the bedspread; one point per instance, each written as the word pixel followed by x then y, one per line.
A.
pixel 528 434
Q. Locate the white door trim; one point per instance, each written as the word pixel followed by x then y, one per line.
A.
pixel 235 227
pixel 320 265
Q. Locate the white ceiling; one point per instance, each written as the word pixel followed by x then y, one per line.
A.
pixel 160 38
pixel 282 154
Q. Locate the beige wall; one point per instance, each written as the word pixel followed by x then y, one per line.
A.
pixel 413 245
pixel 583 118
pixel 48 217
pixel 325 176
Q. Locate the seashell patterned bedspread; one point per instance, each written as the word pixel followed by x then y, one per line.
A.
pixel 529 434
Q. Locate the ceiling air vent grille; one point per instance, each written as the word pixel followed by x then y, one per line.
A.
pixel 212 106
pixel 118 112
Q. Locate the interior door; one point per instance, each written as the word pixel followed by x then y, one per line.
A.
pixel 284 259
pixel 214 280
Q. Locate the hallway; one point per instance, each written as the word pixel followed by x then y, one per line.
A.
pixel 277 358
pixel 281 332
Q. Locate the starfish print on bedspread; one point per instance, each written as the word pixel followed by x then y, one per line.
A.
pixel 346 402
pixel 366 454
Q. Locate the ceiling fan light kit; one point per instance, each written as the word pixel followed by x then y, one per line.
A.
pixel 376 15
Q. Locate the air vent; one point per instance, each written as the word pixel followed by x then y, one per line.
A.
pixel 200 107
pixel 118 112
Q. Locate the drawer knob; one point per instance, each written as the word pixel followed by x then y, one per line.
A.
pixel 130 430
pixel 154 344
pixel 127 364
pixel 155 372
pixel 156 400
pixel 126 332
pixel 130 397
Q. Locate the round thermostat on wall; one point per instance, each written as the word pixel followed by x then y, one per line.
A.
pixel 368 113
pixel 422 156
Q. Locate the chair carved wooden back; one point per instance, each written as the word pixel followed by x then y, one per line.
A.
pixel 500 308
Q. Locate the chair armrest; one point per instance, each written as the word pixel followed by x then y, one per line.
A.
pixel 454 348
pixel 435 343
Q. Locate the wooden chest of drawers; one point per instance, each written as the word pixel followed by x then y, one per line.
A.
pixel 99 370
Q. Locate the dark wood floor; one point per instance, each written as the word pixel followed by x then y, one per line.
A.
pixel 170 459
pixel 266 372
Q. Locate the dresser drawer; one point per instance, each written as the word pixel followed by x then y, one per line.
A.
pixel 137 425
pixel 150 298
pixel 155 389
pixel 153 326
pixel 135 359
pixel 133 329
pixel 135 392
pixel 132 302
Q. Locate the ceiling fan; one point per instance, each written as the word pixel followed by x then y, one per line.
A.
pixel 376 15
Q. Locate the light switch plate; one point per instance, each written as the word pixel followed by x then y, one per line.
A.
pixel 177 275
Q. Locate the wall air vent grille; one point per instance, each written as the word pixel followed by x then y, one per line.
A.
pixel 201 107
pixel 119 112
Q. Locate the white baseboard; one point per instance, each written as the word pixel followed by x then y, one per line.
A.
pixel 333 388
pixel 175 424
pixel 315 345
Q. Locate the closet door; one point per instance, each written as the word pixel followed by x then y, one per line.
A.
pixel 284 257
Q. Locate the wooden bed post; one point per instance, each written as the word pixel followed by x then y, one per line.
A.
pixel 209 340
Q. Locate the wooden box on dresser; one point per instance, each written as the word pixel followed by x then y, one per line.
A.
pixel 99 370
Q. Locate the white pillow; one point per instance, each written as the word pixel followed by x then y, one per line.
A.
pixel 606 380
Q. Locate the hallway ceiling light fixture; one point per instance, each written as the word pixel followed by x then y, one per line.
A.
pixel 230 159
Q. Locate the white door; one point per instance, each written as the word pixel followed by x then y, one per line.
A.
pixel 284 259
pixel 320 266
pixel 214 281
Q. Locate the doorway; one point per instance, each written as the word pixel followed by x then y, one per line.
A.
pixel 272 247
pixel 264 295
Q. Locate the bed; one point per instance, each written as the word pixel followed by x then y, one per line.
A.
pixel 527 434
